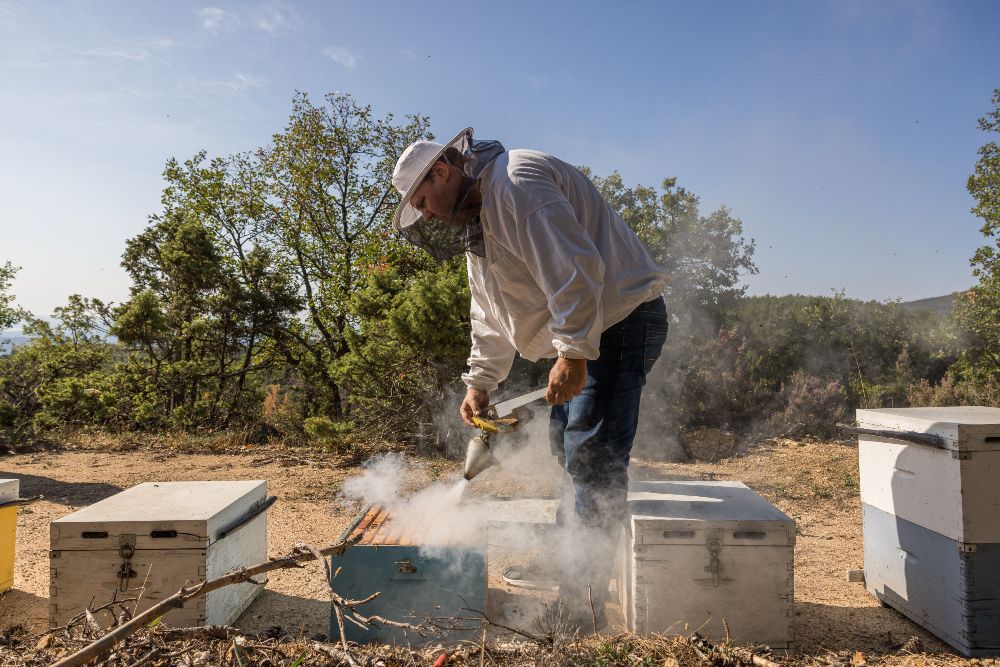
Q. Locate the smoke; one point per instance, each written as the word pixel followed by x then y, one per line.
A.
pixel 451 511
pixel 380 483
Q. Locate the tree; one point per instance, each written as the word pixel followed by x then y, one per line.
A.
pixel 978 310
pixel 207 300
pixel 322 196
pixel 705 256
pixel 10 314
pixel 411 344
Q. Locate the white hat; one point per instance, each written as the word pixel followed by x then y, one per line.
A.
pixel 412 167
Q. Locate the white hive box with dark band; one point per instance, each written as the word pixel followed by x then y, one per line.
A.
pixel 706 556
pixel 152 539
pixel 930 497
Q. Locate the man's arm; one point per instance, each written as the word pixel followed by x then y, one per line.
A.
pixel 491 357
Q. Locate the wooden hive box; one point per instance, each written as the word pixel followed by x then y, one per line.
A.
pixel 695 554
pixel 150 540
pixel 930 505
pixel 9 489
pixel 415 580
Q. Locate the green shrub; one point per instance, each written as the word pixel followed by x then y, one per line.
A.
pixel 952 390
pixel 326 431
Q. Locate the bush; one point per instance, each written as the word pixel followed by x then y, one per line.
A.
pixel 325 431
pixel 283 411
pixel 722 387
pixel 808 405
pixel 952 390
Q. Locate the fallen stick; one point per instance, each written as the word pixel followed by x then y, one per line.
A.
pixel 108 641
pixel 764 662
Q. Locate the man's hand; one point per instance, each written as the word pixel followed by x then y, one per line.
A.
pixel 475 401
pixel 566 380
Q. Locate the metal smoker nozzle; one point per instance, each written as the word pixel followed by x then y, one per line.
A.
pixel 478 456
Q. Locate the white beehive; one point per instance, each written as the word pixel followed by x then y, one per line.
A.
pixel 152 539
pixel 696 554
pixel 951 488
pixel 929 498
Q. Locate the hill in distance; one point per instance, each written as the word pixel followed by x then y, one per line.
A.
pixel 938 304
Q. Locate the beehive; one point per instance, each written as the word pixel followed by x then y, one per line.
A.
pixel 150 540
pixel 416 579
pixel 706 556
pixel 930 499
pixel 9 489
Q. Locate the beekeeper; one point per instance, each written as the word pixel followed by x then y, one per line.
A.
pixel 554 273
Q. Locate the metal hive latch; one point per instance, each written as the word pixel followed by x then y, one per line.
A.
pixel 714 564
pixel 126 549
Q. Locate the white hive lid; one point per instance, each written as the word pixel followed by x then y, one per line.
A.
pixel 962 427
pixel 9 489
pixel 724 503
pixel 200 506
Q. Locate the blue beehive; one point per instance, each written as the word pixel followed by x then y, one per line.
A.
pixel 416 581
pixel 930 497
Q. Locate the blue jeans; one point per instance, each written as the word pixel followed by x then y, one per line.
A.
pixel 592 436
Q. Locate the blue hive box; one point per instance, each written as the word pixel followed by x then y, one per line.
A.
pixel 416 582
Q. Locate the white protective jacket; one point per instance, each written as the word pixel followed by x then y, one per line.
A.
pixel 560 267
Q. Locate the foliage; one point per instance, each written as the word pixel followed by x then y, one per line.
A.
pixel 410 346
pixel 855 343
pixel 722 385
pixel 954 390
pixel 806 405
pixel 978 310
pixel 205 303
pixel 61 376
pixel 322 197
pixel 324 430
pixel 10 314
pixel 705 256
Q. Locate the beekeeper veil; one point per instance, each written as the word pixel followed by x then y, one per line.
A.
pixel 441 238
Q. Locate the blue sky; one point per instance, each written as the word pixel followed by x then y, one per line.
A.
pixel 841 133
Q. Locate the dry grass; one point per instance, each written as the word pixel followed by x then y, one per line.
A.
pixel 160 646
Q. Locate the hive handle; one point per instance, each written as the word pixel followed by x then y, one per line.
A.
pixel 247 518
pixel 928 439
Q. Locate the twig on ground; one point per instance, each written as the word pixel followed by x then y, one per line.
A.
pixel 593 612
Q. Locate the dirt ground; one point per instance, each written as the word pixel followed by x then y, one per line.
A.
pixel 814 483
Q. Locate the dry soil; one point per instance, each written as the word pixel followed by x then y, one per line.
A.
pixel 816 483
